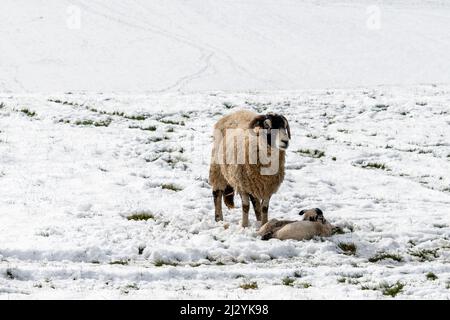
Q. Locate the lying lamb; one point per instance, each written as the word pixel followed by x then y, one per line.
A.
pixel 313 224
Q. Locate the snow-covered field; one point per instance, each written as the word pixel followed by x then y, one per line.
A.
pixel 75 167
pixel 164 45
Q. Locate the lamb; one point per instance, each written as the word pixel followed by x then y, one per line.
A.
pixel 313 224
pixel 244 167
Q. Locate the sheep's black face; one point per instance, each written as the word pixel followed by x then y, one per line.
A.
pixel 277 129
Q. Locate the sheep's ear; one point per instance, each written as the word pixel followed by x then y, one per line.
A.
pixel 257 122
pixel 302 212
pixel 287 127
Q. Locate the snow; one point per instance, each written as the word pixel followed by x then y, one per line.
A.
pixel 198 45
pixel 67 187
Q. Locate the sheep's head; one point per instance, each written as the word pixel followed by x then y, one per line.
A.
pixel 276 127
pixel 313 215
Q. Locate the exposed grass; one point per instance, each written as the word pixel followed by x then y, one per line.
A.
pixel 425 254
pixel 288 281
pixel 421 103
pixel 333 158
pixel 2 105
pixel 149 128
pixel 431 276
pixel 343 130
pixel 249 285
pixel 391 290
pixel 309 135
pixel 349 280
pixel 440 225
pixel 348 248
pixel 101 123
pixel 141 250
pixel 171 186
pixel 160 263
pixel 381 107
pixel 28 112
pixel 228 105
pixel 374 165
pixel 119 262
pixel 141 216
pixel 311 153
pixel 168 121
pixel 305 285
pixel 384 255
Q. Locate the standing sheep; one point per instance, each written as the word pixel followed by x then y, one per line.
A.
pixel 243 143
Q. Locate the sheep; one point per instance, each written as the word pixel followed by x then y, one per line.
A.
pixel 313 224
pixel 244 167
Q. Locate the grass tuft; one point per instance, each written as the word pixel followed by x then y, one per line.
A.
pixel 160 263
pixel 249 285
pixel 348 248
pixel 141 216
pixel 171 186
pixel 119 262
pixel 311 153
pixel 424 254
pixel 384 255
pixel 391 290
pixel 28 112
pixel 288 281
pixel 431 276
pixel 374 165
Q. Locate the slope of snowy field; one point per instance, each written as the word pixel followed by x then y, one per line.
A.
pixel 76 168
pixel 166 45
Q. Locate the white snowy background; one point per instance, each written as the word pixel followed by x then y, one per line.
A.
pixel 106 115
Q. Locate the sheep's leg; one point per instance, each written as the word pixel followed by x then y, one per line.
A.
pixel 245 209
pixel 265 211
pixel 217 194
pixel 256 206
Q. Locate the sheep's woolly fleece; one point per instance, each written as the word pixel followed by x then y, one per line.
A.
pixel 76 171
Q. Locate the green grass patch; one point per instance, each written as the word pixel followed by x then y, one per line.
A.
pixel 249 285
pixel 305 285
pixel 160 263
pixel 374 165
pixel 424 254
pixel 384 255
pixel 119 262
pixel 288 281
pixel 101 123
pixel 28 112
pixel 311 153
pixel 149 128
pixel 171 186
pixel 141 216
pixel 391 290
pixel 174 122
pixel 431 276
pixel 347 248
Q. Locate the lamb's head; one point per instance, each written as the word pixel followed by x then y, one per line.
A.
pixel 276 127
pixel 313 215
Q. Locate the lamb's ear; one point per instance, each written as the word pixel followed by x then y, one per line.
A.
pixel 302 212
pixel 288 128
